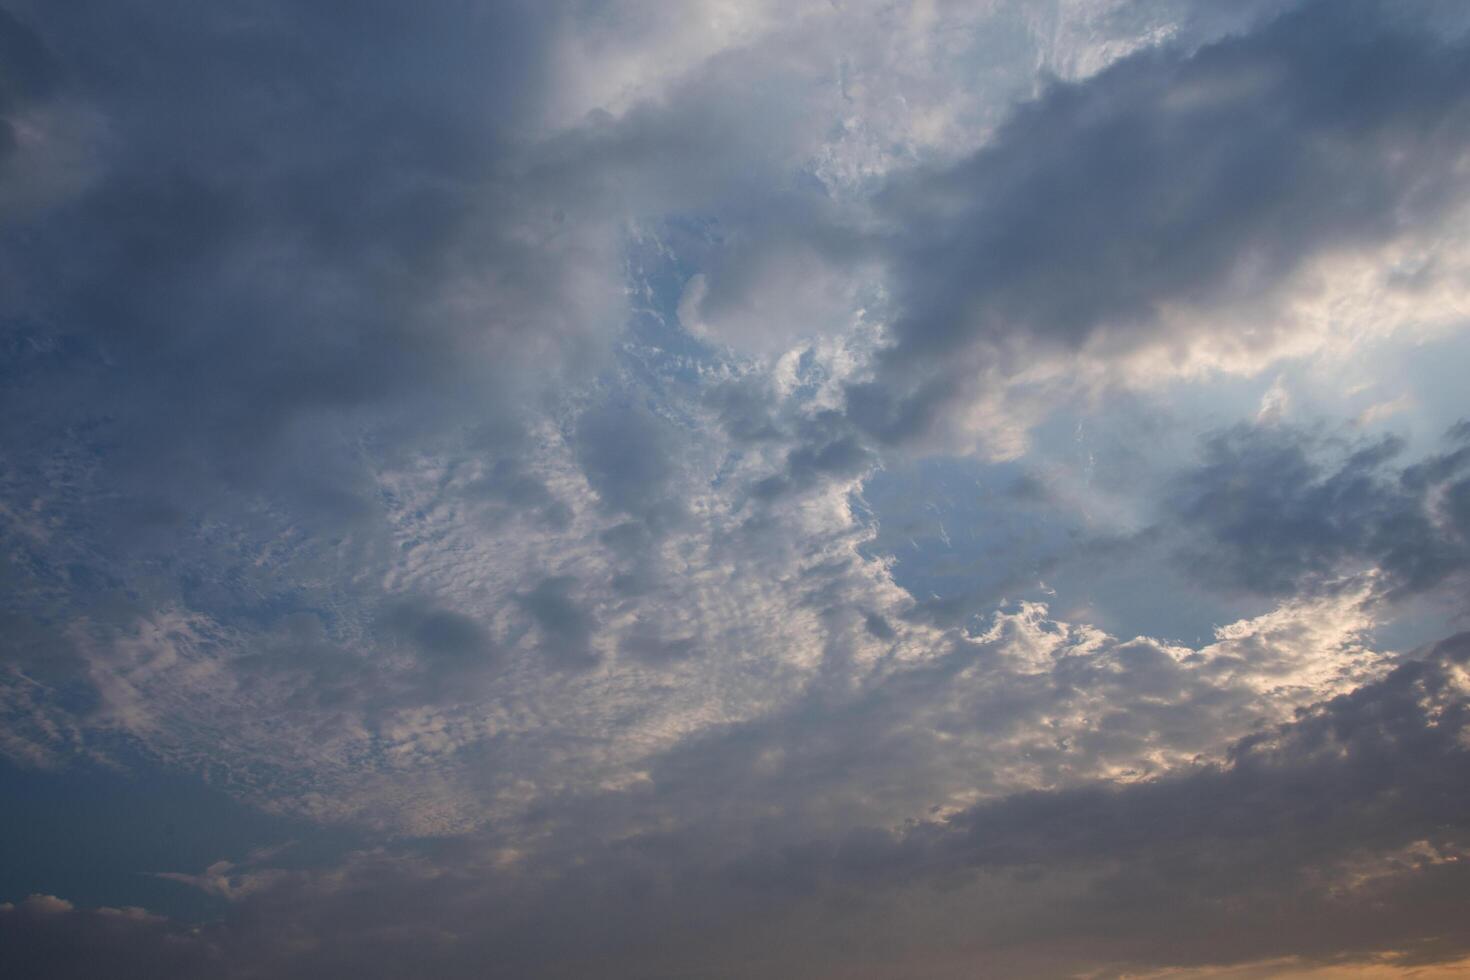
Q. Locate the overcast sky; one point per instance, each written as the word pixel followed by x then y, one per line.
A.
pixel 734 489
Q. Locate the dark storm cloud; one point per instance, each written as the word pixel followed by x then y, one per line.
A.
pixel 1191 179
pixel 1265 512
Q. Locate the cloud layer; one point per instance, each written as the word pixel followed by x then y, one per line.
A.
pixel 745 490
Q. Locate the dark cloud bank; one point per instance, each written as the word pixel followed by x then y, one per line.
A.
pixel 1340 833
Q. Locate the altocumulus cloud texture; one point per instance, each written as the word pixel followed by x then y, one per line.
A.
pixel 810 489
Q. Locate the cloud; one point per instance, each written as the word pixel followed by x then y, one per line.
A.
pixel 341 251
pixel 1266 512
pixel 438 633
pixel 1163 207
pixel 566 628
pixel 1330 835
pixel 464 430
pixel 46 936
pixel 628 455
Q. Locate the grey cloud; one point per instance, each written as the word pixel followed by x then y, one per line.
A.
pixel 626 539
pixel 1031 702
pixel 566 627
pixel 878 626
pixel 629 455
pixel 308 249
pixel 330 683
pixel 321 677
pixel 519 492
pixel 647 642
pixel 46 936
pixel 825 450
pixel 277 494
pixel 743 408
pixel 1399 737
pixel 440 634
pixel 1172 177
pixel 631 543
pixel 1265 512
pixel 28 74
pixel 1336 836
pixel 306 226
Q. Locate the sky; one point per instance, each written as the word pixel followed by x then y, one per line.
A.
pixel 734 489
